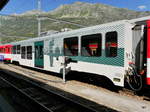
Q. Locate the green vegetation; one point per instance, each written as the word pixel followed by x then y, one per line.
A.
pixel 25 25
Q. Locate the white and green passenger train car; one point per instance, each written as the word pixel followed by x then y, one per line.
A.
pixel 106 50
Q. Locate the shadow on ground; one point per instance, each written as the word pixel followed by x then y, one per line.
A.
pixel 92 79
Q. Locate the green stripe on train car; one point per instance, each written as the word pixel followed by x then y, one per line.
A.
pixel 115 61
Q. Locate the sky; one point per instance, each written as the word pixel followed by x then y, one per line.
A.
pixel 21 6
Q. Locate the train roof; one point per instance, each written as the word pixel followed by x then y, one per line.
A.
pixel 71 32
pixel 5 45
pixel 132 21
pixel 140 21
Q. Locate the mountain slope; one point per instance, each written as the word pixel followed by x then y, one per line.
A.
pixel 87 10
pixel 79 12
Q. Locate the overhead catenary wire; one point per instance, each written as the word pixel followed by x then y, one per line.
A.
pixel 39 18
pixel 1 34
pixel 62 21
pixel 49 18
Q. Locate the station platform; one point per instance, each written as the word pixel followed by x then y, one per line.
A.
pixel 90 92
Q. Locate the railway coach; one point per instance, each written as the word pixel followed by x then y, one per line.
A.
pixel 5 53
pixel 119 51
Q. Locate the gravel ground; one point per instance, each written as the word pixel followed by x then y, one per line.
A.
pixel 121 100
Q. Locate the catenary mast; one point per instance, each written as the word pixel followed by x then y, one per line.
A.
pixel 38 17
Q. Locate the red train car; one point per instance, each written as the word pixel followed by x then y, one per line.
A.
pixel 5 53
pixel 1 53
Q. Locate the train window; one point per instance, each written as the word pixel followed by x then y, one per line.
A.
pixel 8 50
pixel 18 49
pixel 0 50
pixel 3 50
pixel 23 52
pixel 14 49
pixel 111 44
pixel 41 52
pixel 36 52
pixel 29 52
pixel 91 45
pixel 71 46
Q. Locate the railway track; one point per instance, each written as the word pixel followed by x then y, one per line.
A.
pixel 143 95
pixel 49 101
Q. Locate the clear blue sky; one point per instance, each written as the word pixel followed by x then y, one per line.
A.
pixel 20 6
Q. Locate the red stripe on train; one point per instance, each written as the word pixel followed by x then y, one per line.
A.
pixel 7 59
pixel 148 81
pixel 148 39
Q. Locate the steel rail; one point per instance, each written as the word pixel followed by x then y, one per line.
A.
pixel 89 108
pixel 20 90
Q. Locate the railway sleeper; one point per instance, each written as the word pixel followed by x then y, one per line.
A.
pixel 40 97
pixel 58 107
pixel 54 97
pixel 49 102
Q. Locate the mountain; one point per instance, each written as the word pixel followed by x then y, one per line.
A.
pixel 87 14
pixel 30 13
pixel 82 9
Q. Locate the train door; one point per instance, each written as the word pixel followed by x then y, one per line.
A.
pixel 39 55
pixel 141 52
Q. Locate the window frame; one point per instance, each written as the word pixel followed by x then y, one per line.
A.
pixel 89 37
pixel 41 52
pixel 18 49
pixel 14 49
pixel 29 52
pixel 71 38
pixel 116 44
pixel 0 50
pixel 23 52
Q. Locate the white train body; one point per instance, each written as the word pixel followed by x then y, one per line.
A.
pixel 106 50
